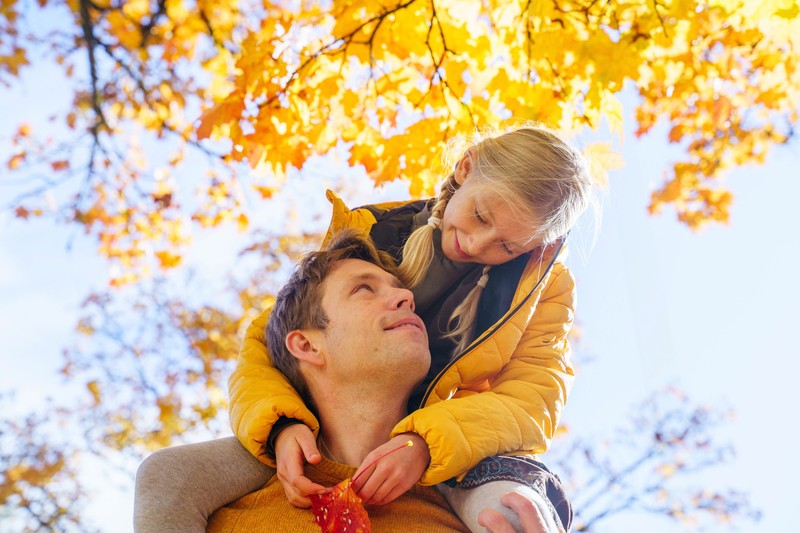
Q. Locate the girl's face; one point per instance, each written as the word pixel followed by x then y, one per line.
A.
pixel 479 227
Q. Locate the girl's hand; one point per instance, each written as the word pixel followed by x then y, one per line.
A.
pixel 294 447
pixel 394 474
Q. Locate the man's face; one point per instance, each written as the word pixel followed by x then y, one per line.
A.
pixel 372 332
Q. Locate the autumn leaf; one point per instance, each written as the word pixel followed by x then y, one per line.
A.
pixel 23 131
pixel 265 191
pixel 219 116
pixel 167 259
pixel 602 159
pixel 16 161
pixel 340 510
pixel 94 389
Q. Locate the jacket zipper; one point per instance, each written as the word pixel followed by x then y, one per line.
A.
pixel 494 329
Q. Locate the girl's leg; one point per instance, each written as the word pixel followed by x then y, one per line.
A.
pixel 178 488
pixel 491 478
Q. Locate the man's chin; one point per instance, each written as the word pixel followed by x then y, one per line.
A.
pixel 415 361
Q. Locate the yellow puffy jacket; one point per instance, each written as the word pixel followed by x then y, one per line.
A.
pixel 504 394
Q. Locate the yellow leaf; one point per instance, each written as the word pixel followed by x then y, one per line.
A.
pixel 602 159
pixel 666 470
pixel 242 221
pixel 168 259
pixel 220 115
pixel 94 388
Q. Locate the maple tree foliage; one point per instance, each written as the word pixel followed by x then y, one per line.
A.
pixel 185 116
pixel 274 83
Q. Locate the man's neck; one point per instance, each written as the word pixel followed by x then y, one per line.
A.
pixel 352 425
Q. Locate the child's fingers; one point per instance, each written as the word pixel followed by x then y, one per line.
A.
pixel 296 485
pixel 369 484
pixel 295 497
pixel 298 488
pixel 308 444
pixel 306 486
pixel 396 482
pixel 382 490
pixel 388 495
pixel 362 475
pixel 291 468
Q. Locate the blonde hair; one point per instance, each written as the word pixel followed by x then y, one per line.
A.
pixel 547 178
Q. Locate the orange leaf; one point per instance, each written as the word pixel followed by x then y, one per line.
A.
pixel 60 165
pixel 340 510
pixel 221 114
pixel 265 191
pixel 16 161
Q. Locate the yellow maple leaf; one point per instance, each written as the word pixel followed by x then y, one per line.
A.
pixel 219 116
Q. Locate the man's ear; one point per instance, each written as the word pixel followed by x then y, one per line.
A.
pixel 464 166
pixel 302 345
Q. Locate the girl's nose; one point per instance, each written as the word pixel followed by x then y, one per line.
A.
pixel 476 243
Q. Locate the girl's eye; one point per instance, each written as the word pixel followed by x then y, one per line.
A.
pixel 507 249
pixel 479 217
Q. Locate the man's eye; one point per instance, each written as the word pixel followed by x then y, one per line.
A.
pixel 363 286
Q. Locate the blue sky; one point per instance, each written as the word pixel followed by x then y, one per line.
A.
pixel 711 312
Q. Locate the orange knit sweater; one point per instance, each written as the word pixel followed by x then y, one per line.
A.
pixel 420 510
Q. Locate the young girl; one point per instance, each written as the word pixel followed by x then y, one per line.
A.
pixel 485 263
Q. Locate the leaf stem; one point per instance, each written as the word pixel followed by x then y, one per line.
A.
pixel 405 444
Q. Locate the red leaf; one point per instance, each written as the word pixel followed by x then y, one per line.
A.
pixel 340 510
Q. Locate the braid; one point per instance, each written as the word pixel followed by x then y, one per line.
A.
pixel 462 322
pixel 418 250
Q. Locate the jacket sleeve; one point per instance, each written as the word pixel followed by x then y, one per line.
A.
pixel 260 394
pixel 520 410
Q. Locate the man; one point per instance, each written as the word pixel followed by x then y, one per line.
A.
pixel 344 332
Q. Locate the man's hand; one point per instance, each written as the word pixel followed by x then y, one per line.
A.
pixel 530 518
pixel 394 474
pixel 294 447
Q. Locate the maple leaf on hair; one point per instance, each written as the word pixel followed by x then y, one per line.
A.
pixel 340 510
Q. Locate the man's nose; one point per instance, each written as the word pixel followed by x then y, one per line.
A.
pixel 402 298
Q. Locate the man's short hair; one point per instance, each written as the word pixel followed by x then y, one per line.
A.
pixel 298 304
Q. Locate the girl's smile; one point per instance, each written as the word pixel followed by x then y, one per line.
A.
pixel 459 251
